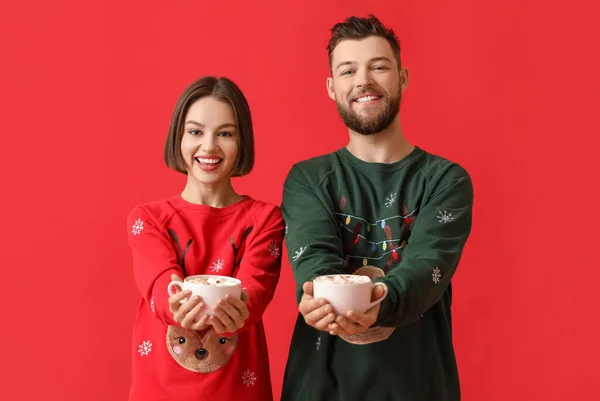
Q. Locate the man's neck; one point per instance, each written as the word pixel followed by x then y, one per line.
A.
pixel 388 146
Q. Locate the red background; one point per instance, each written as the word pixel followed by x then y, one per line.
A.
pixel 87 88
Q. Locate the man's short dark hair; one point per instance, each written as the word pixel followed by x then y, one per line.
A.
pixel 360 28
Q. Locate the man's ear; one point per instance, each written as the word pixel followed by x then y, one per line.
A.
pixel 330 89
pixel 404 77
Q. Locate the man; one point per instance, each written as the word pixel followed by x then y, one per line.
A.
pixel 379 207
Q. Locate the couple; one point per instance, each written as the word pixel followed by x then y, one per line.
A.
pixel 379 207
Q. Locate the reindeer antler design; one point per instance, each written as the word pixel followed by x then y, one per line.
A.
pixel 236 249
pixel 182 252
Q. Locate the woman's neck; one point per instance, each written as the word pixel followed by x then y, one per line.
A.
pixel 217 195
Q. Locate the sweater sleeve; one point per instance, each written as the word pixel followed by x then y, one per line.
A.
pixel 434 249
pixel 260 267
pixel 154 260
pixel 313 239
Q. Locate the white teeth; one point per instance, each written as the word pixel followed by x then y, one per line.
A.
pixel 208 161
pixel 366 99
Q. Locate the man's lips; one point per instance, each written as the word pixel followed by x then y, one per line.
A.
pixel 367 98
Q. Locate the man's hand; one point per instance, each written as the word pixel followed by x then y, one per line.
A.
pixel 357 323
pixel 317 313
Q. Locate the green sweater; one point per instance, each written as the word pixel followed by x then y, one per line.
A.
pixel 404 224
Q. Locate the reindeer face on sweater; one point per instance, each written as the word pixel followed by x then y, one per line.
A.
pixel 200 351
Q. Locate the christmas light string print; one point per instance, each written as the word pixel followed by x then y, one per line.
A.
pixel 391 250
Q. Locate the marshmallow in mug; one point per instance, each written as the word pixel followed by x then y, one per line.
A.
pixel 212 280
pixel 344 279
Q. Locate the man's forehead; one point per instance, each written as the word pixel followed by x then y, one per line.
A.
pixel 361 50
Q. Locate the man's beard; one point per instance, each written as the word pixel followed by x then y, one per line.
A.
pixel 375 124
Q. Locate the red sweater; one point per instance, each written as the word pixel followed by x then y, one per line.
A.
pixel 176 237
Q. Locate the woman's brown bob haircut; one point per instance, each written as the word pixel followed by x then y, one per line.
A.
pixel 225 90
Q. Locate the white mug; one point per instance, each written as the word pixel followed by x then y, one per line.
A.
pixel 345 297
pixel 211 294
